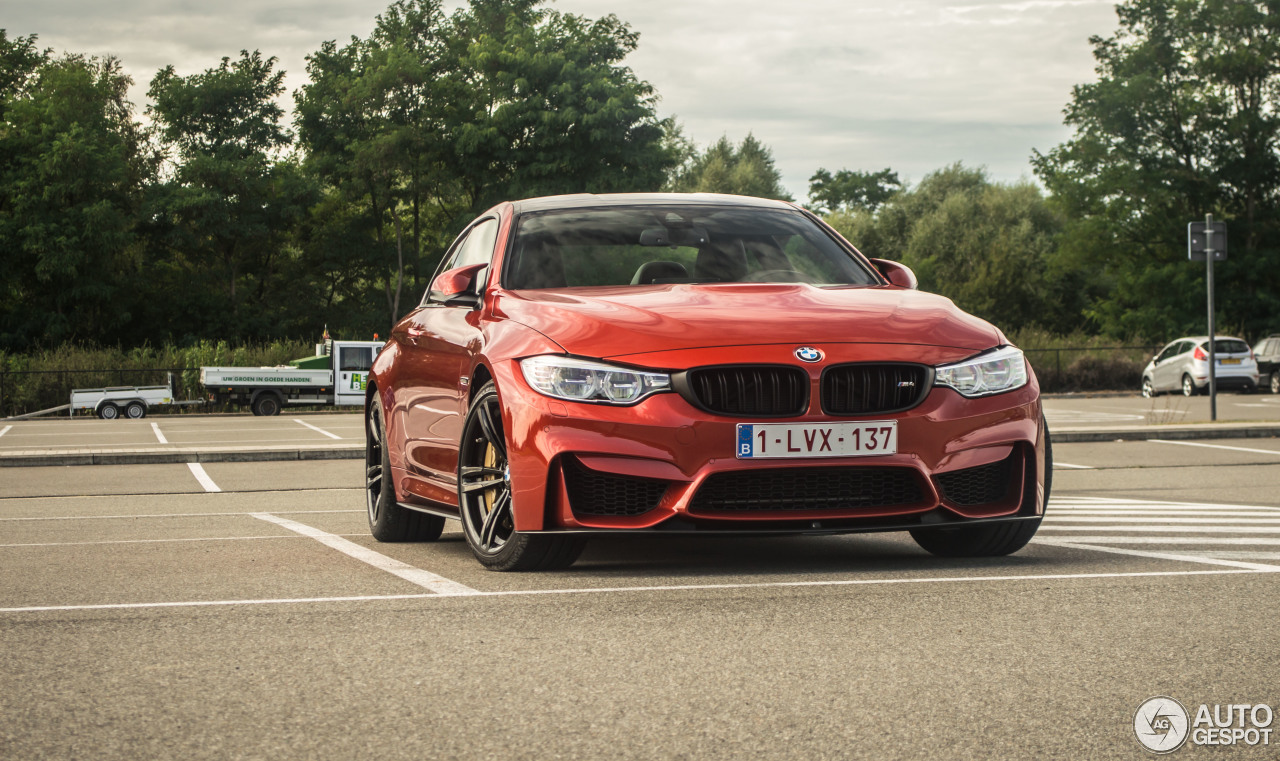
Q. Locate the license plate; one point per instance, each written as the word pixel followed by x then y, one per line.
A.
pixel 765 440
pixel 1228 361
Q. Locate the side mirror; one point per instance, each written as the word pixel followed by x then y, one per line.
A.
pixel 896 273
pixel 456 287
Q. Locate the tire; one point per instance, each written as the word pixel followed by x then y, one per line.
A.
pixel 266 405
pixel 1188 386
pixel 388 521
pixel 484 498
pixel 108 411
pixel 1148 389
pixel 1275 382
pixel 135 410
pixel 991 540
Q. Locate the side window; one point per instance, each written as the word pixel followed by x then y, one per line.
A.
pixel 476 248
pixel 1169 351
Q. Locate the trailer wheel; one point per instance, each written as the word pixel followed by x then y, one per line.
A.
pixel 108 411
pixel 135 410
pixel 266 405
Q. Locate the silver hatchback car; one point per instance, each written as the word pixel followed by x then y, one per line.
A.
pixel 1183 365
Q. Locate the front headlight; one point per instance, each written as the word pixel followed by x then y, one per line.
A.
pixel 580 380
pixel 995 372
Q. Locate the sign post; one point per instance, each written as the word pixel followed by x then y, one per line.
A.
pixel 1208 240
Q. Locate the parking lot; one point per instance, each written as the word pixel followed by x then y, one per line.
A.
pixel 229 609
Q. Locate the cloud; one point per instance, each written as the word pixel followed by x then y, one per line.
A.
pixel 912 84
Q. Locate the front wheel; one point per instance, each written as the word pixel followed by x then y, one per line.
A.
pixel 484 496
pixel 108 411
pixel 388 522
pixel 135 410
pixel 1148 389
pixel 1188 386
pixel 991 540
pixel 1275 382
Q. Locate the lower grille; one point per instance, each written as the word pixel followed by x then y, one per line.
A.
pixel 982 485
pixel 873 389
pixel 592 492
pixel 807 489
pixel 768 390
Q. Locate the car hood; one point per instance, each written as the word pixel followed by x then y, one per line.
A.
pixel 628 320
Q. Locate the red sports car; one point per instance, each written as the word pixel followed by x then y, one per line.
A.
pixel 672 363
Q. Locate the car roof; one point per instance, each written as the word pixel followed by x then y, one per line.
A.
pixel 1198 339
pixel 589 200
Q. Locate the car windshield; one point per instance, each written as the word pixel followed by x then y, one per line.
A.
pixel 648 245
pixel 1227 346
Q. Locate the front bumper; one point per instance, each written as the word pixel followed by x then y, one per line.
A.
pixel 592 467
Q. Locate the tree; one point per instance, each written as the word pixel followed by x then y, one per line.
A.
pixel 224 213
pixel 990 247
pixel 72 166
pixel 848 190
pixel 1183 119
pixel 432 120
pixel 747 170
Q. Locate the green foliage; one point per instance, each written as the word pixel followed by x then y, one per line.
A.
pixel 1182 120
pixel 72 168
pixel 847 190
pixel 989 247
pixel 745 170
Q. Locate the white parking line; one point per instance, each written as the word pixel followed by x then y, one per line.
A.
pixel 155 515
pixel 321 430
pixel 1057 464
pixel 197 470
pixel 425 579
pixel 156 427
pixel 5 430
pixel 1216 446
pixel 1067 544
pixel 672 588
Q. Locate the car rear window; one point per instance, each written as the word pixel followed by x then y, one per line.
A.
pixel 652 245
pixel 1227 346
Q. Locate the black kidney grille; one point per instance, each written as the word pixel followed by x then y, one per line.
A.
pixel 750 390
pixel 873 389
pixel 594 493
pixel 982 485
pixel 807 489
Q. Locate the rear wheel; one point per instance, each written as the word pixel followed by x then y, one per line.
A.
pixel 108 411
pixel 135 410
pixel 388 521
pixel 1188 386
pixel 991 540
pixel 266 405
pixel 484 495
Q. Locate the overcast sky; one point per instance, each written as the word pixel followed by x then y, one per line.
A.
pixel 912 85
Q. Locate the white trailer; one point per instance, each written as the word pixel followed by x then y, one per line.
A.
pixel 337 375
pixel 121 401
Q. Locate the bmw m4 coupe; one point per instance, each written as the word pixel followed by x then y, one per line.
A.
pixel 670 363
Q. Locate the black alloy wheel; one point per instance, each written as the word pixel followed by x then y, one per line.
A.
pixel 484 497
pixel 388 521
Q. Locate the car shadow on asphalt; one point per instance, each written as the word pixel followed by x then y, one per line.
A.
pixel 685 556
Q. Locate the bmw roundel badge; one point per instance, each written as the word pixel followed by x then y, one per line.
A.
pixel 808 354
